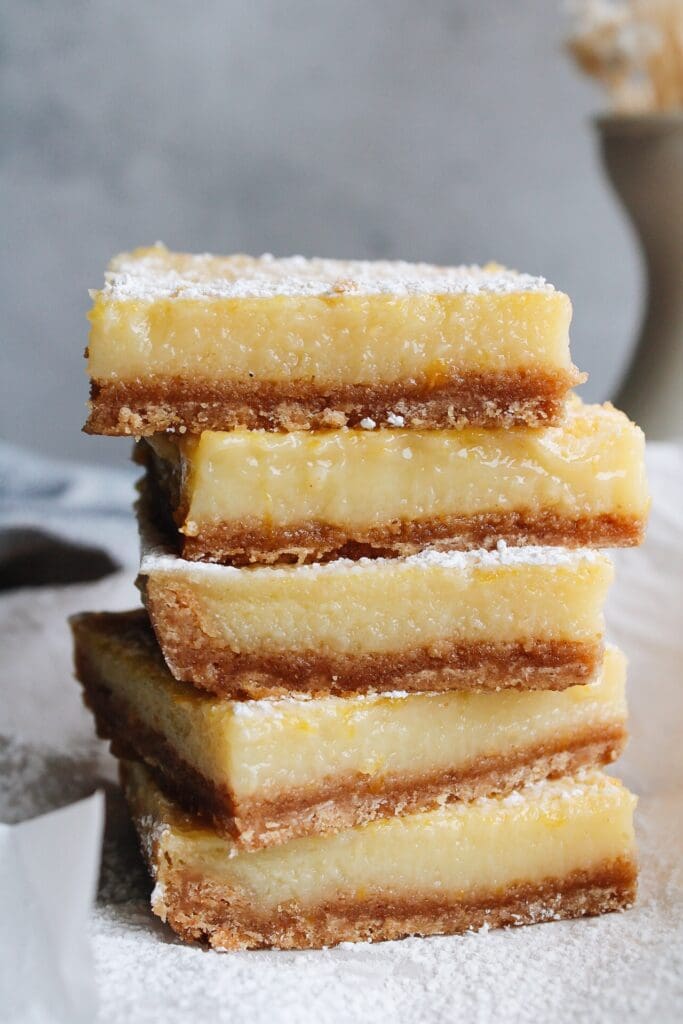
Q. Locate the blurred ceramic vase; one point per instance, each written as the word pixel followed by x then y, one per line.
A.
pixel 643 155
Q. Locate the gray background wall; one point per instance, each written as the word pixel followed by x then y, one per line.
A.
pixel 442 130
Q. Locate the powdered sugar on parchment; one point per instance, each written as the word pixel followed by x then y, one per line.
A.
pixel 622 967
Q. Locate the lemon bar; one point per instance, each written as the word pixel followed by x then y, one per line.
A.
pixel 200 342
pixel 513 617
pixel 266 771
pixel 252 496
pixel 555 849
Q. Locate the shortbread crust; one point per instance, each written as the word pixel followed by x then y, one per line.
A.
pixel 519 617
pixel 266 771
pixel 548 851
pixel 201 342
pixel 245 496
pixel 495 399
pixel 198 911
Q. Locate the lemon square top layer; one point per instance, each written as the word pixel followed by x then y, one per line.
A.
pixel 210 342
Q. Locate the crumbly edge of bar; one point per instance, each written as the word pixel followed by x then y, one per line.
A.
pixel 240 543
pixel 334 803
pixel 200 909
pixel 531 398
pixel 193 656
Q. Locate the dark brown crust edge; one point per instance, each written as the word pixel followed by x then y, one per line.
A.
pixel 497 399
pixel 336 804
pixel 194 656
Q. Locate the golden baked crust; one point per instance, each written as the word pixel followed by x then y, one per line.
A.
pixel 208 662
pixel 335 803
pixel 509 398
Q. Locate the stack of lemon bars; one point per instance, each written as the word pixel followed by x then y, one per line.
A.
pixel 368 695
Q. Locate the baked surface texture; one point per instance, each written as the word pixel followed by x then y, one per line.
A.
pixel 267 771
pixel 291 344
pixel 245 497
pixel 300 896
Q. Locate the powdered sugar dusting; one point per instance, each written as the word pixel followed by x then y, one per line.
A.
pixel 155 273
pixel 568 788
pixel 160 558
pixel 278 707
